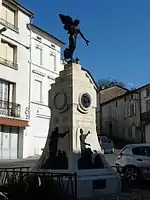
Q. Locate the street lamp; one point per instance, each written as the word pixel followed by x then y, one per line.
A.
pixel 3 29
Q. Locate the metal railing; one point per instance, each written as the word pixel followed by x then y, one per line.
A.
pixel 10 109
pixel 41 183
pixel 145 115
pixel 9 63
pixel 47 185
pixel 6 23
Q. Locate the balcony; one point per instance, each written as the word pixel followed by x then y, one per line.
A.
pixel 145 115
pixel 10 109
pixel 9 63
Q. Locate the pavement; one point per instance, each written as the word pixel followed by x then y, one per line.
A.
pixel 30 162
pixel 111 158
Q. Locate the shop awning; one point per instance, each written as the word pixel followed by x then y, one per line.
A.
pixel 13 122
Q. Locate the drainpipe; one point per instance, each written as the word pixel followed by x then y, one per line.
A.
pixel 141 124
pixel 30 69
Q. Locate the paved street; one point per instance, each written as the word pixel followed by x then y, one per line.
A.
pixel 111 158
pixel 29 162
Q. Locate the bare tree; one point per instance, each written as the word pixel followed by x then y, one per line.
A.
pixel 106 83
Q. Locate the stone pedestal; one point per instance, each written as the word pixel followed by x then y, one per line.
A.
pixel 72 144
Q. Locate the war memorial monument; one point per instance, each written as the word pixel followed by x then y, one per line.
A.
pixel 72 144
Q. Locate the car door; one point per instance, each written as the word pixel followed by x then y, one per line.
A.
pixel 141 156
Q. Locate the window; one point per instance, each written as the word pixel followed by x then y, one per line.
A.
pixel 141 151
pixel 125 112
pixel 8 54
pixel 9 17
pixel 37 91
pixel 4 91
pixel 131 110
pixel 148 91
pixel 7 91
pixel 53 62
pixel 38 55
pixel 116 103
pixel 148 105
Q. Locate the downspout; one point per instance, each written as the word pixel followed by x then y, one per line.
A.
pixel 30 70
pixel 141 121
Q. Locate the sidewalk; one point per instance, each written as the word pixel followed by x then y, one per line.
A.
pixel 133 195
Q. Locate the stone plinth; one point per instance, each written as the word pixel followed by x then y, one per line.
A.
pixel 72 144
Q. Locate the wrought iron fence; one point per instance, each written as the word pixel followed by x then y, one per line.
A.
pixel 31 184
pixel 145 115
pixel 41 183
pixel 10 109
pixel 9 63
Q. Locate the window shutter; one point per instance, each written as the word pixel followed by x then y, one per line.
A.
pixel 10 16
pixel 4 13
pixel 3 50
pixel 10 53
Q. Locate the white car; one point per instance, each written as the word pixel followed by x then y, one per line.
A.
pixel 106 144
pixel 134 161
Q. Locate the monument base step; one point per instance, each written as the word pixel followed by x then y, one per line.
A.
pixel 95 186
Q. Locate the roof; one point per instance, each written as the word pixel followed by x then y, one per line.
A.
pixel 127 93
pixel 20 7
pixel 119 97
pixel 142 87
pixel 40 30
pixel 100 89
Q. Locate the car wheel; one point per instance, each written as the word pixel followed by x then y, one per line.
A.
pixel 131 173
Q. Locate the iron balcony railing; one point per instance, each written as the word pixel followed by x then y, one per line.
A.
pixel 145 115
pixel 9 63
pixel 10 109
pixel 6 23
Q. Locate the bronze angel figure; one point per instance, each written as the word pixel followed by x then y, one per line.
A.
pixel 71 26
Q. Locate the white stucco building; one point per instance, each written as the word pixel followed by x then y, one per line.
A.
pixel 14 78
pixel 44 65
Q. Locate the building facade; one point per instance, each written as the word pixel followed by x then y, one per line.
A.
pixel 104 95
pixel 121 117
pixel 14 78
pixel 145 112
pixel 44 65
pixel 111 92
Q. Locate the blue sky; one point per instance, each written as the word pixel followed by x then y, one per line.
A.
pixel 118 31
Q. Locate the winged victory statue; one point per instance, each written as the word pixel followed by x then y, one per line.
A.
pixel 71 26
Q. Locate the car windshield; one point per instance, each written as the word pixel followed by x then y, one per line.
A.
pixel 109 140
pixel 105 139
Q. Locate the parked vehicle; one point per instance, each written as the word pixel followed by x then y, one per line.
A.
pixel 134 161
pixel 106 144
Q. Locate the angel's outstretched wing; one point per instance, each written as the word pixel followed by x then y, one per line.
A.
pixel 66 20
